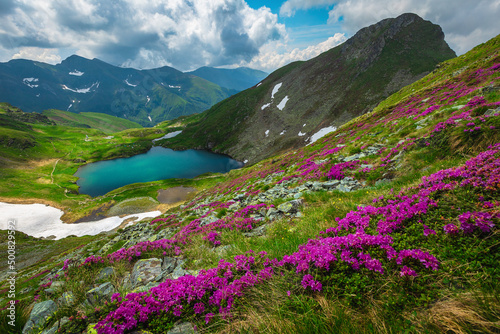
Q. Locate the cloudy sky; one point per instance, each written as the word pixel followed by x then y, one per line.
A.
pixel 187 34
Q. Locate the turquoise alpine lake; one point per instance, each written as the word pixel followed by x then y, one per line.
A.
pixel 159 163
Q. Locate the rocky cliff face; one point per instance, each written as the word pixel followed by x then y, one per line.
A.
pixel 295 102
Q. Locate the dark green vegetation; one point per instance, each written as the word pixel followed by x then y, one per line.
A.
pixel 83 85
pixel 103 122
pixel 322 92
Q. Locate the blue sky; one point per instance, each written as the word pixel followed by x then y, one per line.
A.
pixel 187 34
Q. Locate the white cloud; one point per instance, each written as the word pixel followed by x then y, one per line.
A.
pixel 38 54
pixel 276 55
pixel 146 33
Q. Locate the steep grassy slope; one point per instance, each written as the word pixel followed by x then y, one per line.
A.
pixel 299 99
pixel 103 122
pixel 387 225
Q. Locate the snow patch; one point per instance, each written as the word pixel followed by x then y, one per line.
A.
pixel 260 83
pixel 304 125
pixel 38 95
pixel 128 83
pixel 30 82
pixel 265 106
pixel 301 134
pixel 276 89
pixel 267 133
pixel 283 103
pixel 69 106
pixel 82 90
pixel 150 118
pixel 149 99
pixel 168 135
pixel 76 73
pixel 321 133
pixel 245 161
pixel 282 132
pixel 41 220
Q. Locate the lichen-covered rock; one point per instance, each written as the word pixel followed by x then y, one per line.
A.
pixel 256 232
pixel 290 207
pixel 145 271
pixel 103 292
pixel 66 299
pixel 105 274
pixel 38 316
pixel 184 328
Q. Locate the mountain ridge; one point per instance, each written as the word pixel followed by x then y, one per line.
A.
pixel 321 92
pixel 79 84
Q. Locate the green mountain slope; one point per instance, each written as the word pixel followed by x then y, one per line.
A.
pixel 329 90
pixel 80 85
pixel 105 123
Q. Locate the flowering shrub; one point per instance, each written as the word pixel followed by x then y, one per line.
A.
pixel 362 239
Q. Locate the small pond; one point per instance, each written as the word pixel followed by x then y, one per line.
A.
pixel 159 163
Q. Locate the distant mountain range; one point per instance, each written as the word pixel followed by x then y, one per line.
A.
pixel 302 100
pixel 239 78
pixel 147 97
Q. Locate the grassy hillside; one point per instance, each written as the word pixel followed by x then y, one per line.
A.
pixel 387 225
pixel 46 155
pixel 103 122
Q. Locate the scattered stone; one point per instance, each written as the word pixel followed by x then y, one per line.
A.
pixel 286 207
pixel 256 232
pixel 58 285
pixel 184 328
pixel 103 292
pixel 66 299
pixel 272 212
pixel 146 287
pixel 105 274
pixel 169 264
pixel 330 184
pixel 56 326
pixel 145 271
pixel 179 272
pixel 38 316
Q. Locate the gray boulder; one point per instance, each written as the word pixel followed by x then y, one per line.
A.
pixel 66 299
pixel 105 274
pixel 145 271
pixel 184 328
pixel 256 232
pixel 290 207
pixel 38 316
pixel 103 292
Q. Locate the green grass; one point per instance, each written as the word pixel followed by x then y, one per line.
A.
pixel 103 122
